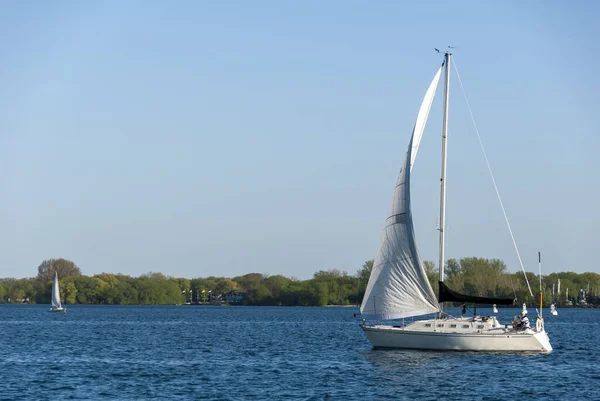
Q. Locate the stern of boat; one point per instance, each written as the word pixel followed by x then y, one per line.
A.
pixel 541 336
pixel 544 340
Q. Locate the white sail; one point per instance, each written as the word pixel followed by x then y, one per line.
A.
pixel 423 115
pixel 398 286
pixel 55 293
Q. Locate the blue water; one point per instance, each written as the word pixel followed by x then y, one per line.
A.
pixel 248 353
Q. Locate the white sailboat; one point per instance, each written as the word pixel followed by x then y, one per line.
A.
pixel 56 305
pixel 553 310
pixel 398 286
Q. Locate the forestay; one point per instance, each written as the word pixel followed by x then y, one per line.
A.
pixel 398 286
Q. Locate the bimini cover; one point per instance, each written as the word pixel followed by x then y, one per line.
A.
pixel 447 295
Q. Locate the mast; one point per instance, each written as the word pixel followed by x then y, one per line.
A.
pixel 444 149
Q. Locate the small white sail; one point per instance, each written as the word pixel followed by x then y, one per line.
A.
pixel 494 309
pixel 398 286
pixel 553 310
pixel 55 293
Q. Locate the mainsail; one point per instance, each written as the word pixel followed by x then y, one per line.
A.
pixel 398 286
pixel 55 293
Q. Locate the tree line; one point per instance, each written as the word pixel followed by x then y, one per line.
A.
pixel 472 276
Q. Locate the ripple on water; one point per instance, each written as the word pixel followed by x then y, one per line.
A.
pixel 245 353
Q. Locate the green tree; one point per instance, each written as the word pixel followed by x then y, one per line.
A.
pixel 225 286
pixel 298 293
pixel 87 290
pixel 365 272
pixel 124 293
pixel 320 293
pixel 260 295
pixel 63 268
pixel 3 292
pixel 432 275
pixel 278 286
pixel 452 268
pixel 69 292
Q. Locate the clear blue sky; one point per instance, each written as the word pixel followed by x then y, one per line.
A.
pixel 201 138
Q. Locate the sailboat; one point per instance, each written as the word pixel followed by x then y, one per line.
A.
pixel 398 287
pixel 553 310
pixel 56 305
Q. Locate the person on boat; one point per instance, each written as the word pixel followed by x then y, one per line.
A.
pixel 524 324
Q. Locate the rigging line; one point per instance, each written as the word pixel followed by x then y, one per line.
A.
pixel 493 179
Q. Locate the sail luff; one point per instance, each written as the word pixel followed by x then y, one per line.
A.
pixel 398 286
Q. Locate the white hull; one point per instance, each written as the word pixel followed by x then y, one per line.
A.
pixel 57 310
pixel 493 339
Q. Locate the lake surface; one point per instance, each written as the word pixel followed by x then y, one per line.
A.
pixel 278 353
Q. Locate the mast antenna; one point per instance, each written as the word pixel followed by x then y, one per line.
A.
pixel 449 51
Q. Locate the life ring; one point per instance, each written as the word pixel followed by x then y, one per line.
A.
pixel 539 324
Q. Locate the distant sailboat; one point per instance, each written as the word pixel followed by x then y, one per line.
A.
pixel 56 305
pixel 399 288
pixel 553 310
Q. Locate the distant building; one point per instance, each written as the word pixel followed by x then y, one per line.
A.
pixel 234 297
